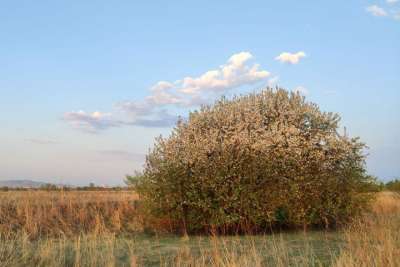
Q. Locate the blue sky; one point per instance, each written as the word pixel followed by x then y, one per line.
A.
pixel 86 85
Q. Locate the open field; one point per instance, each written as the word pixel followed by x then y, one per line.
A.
pixel 372 241
pixel 67 213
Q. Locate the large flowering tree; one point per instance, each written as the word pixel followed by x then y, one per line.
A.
pixel 252 162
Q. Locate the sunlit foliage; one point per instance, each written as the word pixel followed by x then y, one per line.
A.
pixel 254 162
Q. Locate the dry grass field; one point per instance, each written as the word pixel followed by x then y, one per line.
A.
pixel 67 213
pixel 103 229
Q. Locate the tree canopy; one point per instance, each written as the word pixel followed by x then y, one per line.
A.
pixel 254 162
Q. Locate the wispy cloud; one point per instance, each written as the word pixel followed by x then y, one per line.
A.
pixel 96 122
pixel 390 11
pixel 41 141
pixel 163 119
pixel 91 122
pixel 292 58
pixel 376 11
pixel 154 110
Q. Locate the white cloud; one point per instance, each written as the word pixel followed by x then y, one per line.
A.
pixel 161 94
pixel 376 11
pixel 233 74
pixel 158 119
pixel 91 122
pixel 292 58
pixel 135 108
pixel 97 121
pixel 194 91
pixel 302 90
pixel 152 111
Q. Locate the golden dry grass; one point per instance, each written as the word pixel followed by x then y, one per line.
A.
pixel 373 240
pixel 55 213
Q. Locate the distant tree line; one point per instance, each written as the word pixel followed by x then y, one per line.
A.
pixel 393 185
pixel 54 187
pixel 375 185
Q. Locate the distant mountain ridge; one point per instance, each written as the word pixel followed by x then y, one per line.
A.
pixel 21 183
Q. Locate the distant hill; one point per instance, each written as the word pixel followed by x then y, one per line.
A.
pixel 21 183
